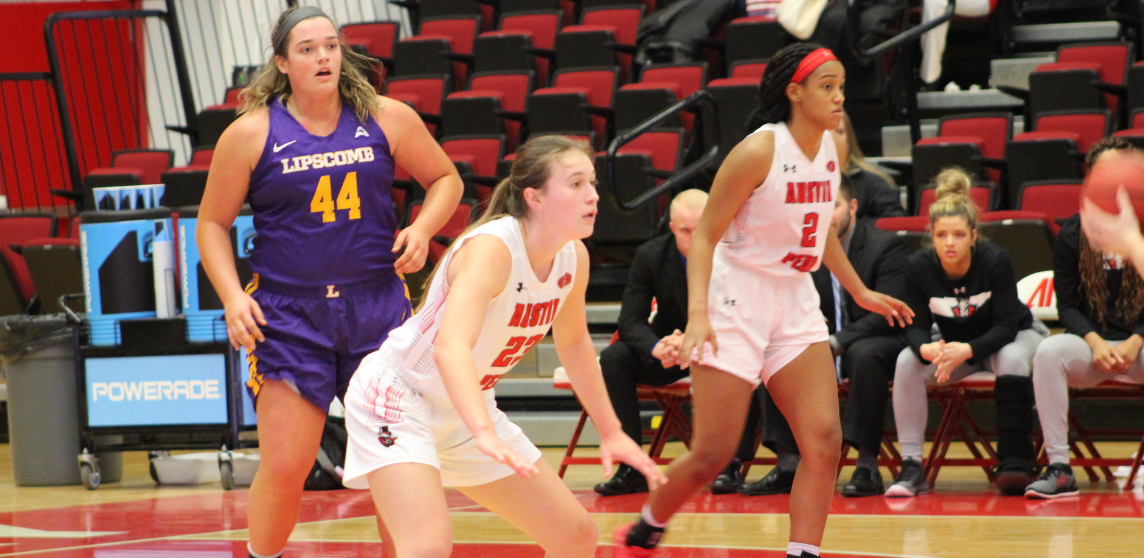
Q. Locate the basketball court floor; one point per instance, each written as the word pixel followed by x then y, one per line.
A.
pixel 135 518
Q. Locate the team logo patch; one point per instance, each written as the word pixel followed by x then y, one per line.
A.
pixel 361 132
pixel 830 166
pixel 386 437
pixel 564 280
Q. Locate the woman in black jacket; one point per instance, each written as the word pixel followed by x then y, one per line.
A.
pixel 1100 301
pixel 967 288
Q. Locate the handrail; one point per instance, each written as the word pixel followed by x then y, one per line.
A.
pixel 911 33
pixel 680 176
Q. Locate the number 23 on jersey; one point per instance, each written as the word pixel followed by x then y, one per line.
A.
pixel 324 201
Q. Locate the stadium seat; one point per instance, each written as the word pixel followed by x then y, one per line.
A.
pixel 442 46
pixel 735 98
pixel 524 42
pixel 16 285
pixel 424 93
pixel 481 153
pixel 1056 199
pixel 751 69
pixel 496 103
pixel 55 269
pixel 753 38
pixel 213 121
pixel 1026 236
pixel 970 141
pixel 377 37
pixel 579 101
pixel 982 194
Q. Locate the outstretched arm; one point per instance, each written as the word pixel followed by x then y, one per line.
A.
pixel 578 355
pixel 836 261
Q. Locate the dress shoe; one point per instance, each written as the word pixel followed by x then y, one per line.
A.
pixel 626 481
pixel 777 481
pixel 729 481
pixel 864 482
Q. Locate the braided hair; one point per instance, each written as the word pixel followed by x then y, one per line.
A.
pixel 774 106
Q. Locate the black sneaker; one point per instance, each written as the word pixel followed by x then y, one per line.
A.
pixel 627 480
pixel 1013 475
pixel 864 482
pixel 911 480
pixel 729 480
pixel 1057 481
pixel 777 481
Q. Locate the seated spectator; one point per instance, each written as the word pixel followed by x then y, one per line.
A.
pixel 648 353
pixel 967 288
pixel 865 347
pixel 933 41
pixel 873 189
pixel 1100 301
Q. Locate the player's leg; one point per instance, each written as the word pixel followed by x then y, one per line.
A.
pixel 719 404
pixel 411 504
pixel 806 391
pixel 289 431
pixel 542 507
pixel 386 539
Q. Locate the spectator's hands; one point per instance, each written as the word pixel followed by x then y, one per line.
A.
pixel 416 244
pixel 667 350
pixel 953 355
pixel 1104 357
pixel 618 446
pixel 243 316
pixel 1128 351
pixel 888 306
pixel 699 332
pixel 933 351
pixel 1119 233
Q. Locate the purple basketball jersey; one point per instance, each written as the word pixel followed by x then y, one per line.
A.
pixel 322 205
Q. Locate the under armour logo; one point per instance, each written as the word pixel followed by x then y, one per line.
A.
pixel 790 168
pixel 386 437
pixel 519 287
pixel 331 293
pixel 959 291
pixel 361 132
pixel 728 301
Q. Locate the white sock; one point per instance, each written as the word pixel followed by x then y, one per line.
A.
pixel 796 549
pixel 257 555
pixel 646 515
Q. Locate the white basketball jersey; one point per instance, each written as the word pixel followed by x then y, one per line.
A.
pixel 516 319
pixel 781 229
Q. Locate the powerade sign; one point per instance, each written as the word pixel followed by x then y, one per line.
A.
pixel 157 390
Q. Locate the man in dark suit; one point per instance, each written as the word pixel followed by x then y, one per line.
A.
pixel 647 353
pixel 865 346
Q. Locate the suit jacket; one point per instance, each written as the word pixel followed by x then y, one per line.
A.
pixel 879 258
pixel 657 272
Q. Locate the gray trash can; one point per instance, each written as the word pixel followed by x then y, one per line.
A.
pixel 38 354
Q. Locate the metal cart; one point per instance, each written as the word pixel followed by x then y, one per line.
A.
pixel 155 392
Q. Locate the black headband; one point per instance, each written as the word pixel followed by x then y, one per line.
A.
pixel 305 12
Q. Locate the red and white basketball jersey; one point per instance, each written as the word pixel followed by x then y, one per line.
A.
pixel 781 229
pixel 516 319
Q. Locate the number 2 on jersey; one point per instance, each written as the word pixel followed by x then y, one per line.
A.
pixel 323 201
pixel 809 229
pixel 515 350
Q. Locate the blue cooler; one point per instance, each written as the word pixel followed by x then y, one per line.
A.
pixel 202 306
pixel 118 276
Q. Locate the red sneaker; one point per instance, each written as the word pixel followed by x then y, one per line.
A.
pixel 620 548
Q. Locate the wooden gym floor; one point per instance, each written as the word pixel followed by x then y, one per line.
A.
pixel 135 518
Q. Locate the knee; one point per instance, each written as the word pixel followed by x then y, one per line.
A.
pixel 823 446
pixel 614 364
pixel 908 363
pixel 1051 355
pixel 285 469
pixel 710 460
pixel 582 536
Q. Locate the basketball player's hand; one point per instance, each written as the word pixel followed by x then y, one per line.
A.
pixel 888 306
pixel 416 245
pixel 953 355
pixel 617 446
pixel 243 316
pixel 494 447
pixel 1119 233
pixel 699 332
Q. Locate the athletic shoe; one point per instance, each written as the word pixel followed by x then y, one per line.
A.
pixel 1057 481
pixel 1013 475
pixel 620 548
pixel 729 480
pixel 627 480
pixel 864 482
pixel 777 481
pixel 911 480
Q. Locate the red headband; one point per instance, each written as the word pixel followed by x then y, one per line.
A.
pixel 811 63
